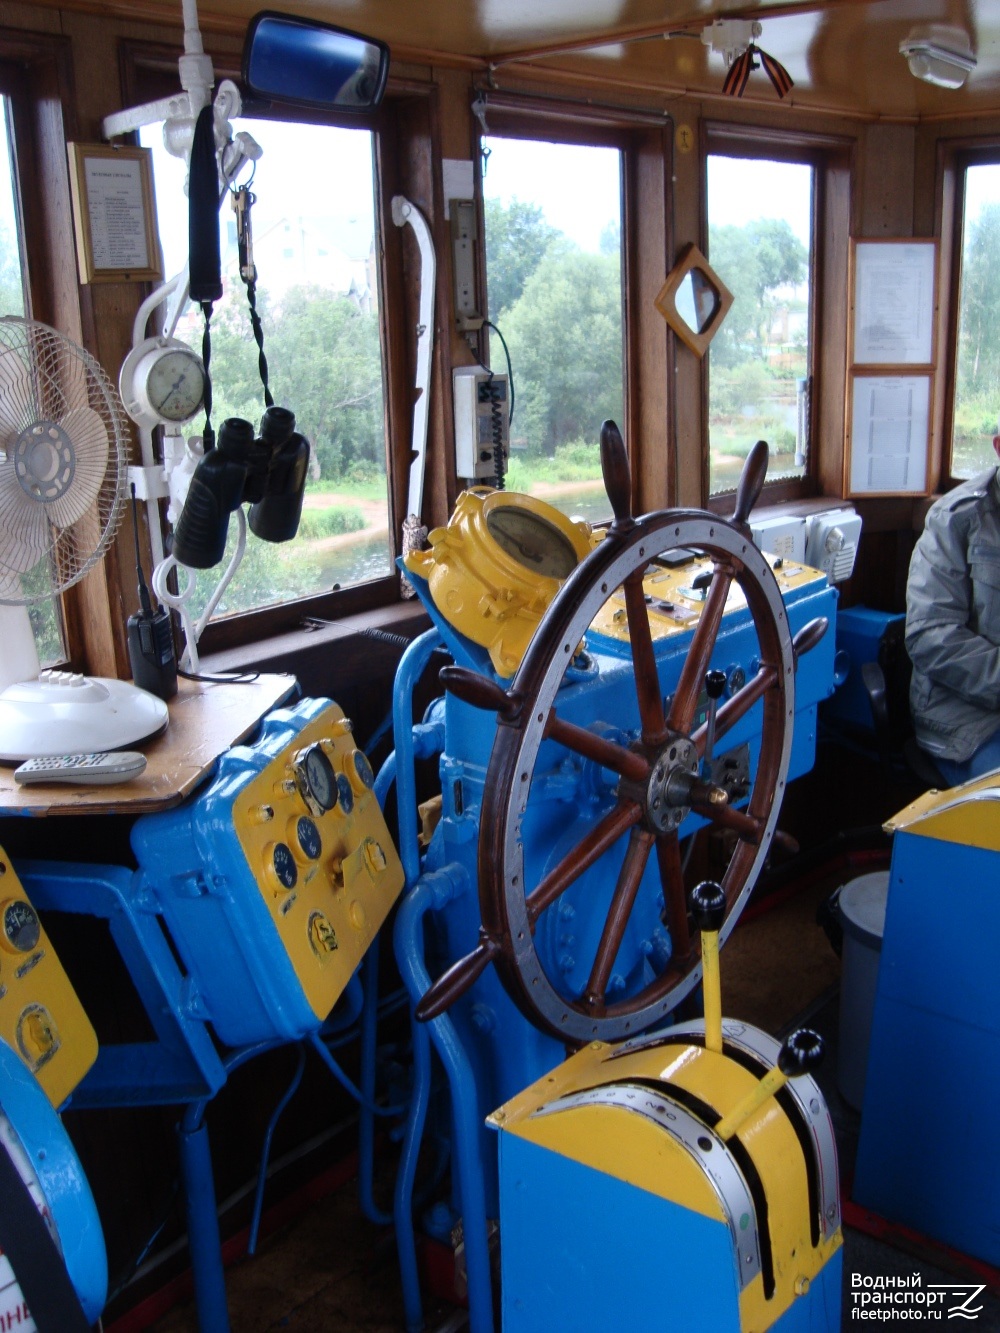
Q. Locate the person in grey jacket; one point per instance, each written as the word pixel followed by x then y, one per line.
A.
pixel 953 629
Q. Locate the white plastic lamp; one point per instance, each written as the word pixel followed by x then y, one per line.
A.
pixel 939 54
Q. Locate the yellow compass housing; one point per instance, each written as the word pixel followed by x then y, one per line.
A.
pixel 494 569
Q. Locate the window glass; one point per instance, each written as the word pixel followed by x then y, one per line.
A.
pixel 554 274
pixel 977 369
pixel 45 615
pixel 314 246
pixel 760 244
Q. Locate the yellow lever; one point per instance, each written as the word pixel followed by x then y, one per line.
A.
pixel 799 1054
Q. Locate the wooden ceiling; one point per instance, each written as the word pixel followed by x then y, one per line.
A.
pixel 843 55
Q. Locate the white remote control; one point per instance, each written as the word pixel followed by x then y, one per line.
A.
pixel 93 769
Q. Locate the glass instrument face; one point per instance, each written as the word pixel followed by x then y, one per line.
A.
pixel 21 928
pixel 175 384
pixel 532 541
pixel 317 775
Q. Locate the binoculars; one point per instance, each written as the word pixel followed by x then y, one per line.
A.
pixel 267 472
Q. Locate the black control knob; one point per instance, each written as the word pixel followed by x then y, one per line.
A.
pixel 715 683
pixel 708 905
pixel 800 1053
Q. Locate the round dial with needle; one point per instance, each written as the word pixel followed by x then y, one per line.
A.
pixel 532 541
pixel 162 382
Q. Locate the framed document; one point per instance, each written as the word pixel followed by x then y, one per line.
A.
pixel 893 304
pixel 113 213
pixel 888 434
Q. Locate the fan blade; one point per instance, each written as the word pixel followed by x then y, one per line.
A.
pixel 24 528
pixel 18 400
pixel 89 438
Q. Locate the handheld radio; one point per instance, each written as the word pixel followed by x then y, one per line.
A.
pixel 150 636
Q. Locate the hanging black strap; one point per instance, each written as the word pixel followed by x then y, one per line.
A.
pixel 204 252
pixel 243 201
pixel 37 1264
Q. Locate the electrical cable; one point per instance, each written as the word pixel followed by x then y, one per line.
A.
pixel 237 678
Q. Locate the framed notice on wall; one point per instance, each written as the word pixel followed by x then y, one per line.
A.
pixel 113 213
pixel 888 434
pixel 893 303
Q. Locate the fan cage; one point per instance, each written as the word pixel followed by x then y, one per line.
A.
pixel 47 378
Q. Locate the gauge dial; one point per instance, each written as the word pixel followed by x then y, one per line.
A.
pixel 532 541
pixel 175 384
pixel 363 770
pixel 345 792
pixel 162 382
pixel 283 865
pixel 21 927
pixel 308 837
pixel 317 778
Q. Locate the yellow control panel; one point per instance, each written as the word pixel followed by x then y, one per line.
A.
pixel 318 847
pixel 40 1015
pixel 675 595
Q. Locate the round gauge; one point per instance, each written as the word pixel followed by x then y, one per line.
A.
pixel 345 793
pixel 283 865
pixel 162 382
pixel 363 770
pixel 21 927
pixel 315 773
pixel 532 541
pixel 307 835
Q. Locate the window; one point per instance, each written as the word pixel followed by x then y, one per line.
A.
pixel 760 242
pixel 314 245
pixel 38 582
pixel 977 357
pixel 553 214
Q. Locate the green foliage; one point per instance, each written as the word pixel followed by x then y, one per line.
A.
pixel 578 461
pixel 11 287
pixel 565 339
pixel 517 237
pixel 979 334
pixel 753 261
pixel 332 522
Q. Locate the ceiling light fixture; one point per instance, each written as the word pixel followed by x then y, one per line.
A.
pixel 939 54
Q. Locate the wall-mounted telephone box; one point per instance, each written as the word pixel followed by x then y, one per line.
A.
pixel 482 417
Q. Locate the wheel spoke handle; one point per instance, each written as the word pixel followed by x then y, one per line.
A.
pixel 457 980
pixel 479 691
pixel 647 683
pixel 808 637
pixel 751 483
pixel 749 828
pixel 617 478
pixel 692 675
pixel 591 746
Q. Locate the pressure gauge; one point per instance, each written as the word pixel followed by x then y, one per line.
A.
pixel 532 541
pixel 21 927
pixel 162 382
pixel 316 779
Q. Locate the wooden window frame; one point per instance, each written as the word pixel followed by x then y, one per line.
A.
pixel 830 157
pixel 645 141
pixel 955 157
pixel 403 129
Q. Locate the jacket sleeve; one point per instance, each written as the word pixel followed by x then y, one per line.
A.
pixel 939 610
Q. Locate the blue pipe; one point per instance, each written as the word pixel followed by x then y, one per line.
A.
pixel 258 1203
pixel 408 737
pixel 204 1245
pixel 431 893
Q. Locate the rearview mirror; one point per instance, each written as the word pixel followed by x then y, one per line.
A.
pixel 297 60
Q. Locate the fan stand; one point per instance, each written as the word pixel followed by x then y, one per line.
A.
pixel 20 658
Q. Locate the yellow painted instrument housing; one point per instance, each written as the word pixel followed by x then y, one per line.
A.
pixel 496 594
pixel 621 1111
pixel 40 1016
pixel 339 899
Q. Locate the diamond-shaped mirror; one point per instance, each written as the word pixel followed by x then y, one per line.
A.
pixel 694 300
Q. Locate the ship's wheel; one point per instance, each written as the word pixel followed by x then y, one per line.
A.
pixel 659 775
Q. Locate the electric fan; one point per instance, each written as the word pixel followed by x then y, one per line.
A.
pixel 63 470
